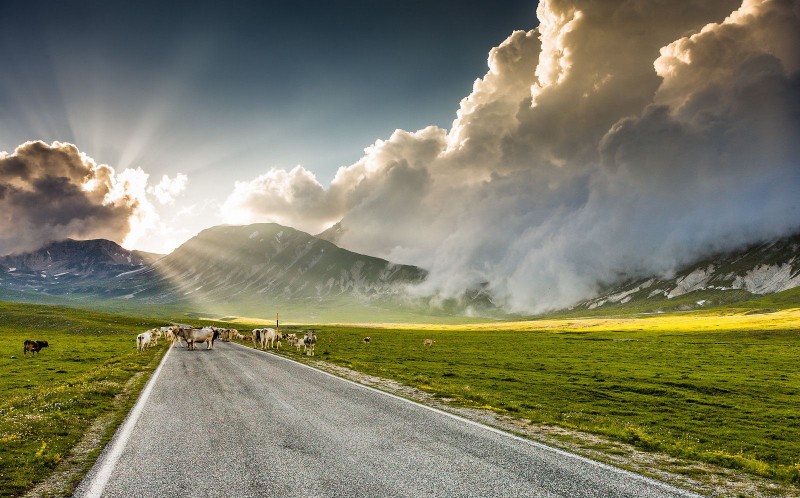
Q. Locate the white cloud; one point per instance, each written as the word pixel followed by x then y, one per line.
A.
pixel 618 138
pixel 168 188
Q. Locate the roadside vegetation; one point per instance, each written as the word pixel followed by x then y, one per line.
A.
pixel 721 388
pixel 90 371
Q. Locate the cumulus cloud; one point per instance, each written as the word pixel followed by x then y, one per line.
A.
pixel 168 189
pixel 288 197
pixel 53 191
pixel 618 138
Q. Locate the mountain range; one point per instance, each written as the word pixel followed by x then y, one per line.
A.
pixel 250 269
pixel 718 279
pixel 243 268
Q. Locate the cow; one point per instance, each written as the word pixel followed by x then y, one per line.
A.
pixel 310 341
pixel 193 336
pixel 367 340
pixel 143 341
pixel 428 342
pixel 224 335
pixel 155 335
pixel 268 337
pixel 257 337
pixel 33 346
pixel 170 334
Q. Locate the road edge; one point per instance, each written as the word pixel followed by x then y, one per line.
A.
pixel 96 479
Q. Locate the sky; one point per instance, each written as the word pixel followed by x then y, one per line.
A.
pixel 222 91
pixel 539 150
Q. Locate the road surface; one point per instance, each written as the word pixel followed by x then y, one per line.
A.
pixel 236 422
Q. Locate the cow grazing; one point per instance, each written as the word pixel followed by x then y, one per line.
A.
pixel 143 341
pixel 367 340
pixel 33 346
pixel 428 342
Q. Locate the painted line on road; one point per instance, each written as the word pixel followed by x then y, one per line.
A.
pixel 537 444
pixel 123 435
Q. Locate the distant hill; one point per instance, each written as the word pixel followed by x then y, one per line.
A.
pixel 721 278
pixel 70 266
pixel 227 264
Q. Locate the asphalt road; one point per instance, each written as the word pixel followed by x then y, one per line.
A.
pixel 235 422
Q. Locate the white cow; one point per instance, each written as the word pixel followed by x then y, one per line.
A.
pixel 143 341
pixel 193 336
pixel 268 336
pixel 155 335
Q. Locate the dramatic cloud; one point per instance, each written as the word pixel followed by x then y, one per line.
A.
pixel 618 138
pixel 52 192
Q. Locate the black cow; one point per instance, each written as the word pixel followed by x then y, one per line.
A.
pixel 34 346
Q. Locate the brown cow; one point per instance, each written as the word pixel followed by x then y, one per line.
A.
pixel 34 346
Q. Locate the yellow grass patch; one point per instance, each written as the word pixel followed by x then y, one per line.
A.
pixel 678 322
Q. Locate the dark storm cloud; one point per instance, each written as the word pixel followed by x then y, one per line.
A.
pixel 53 192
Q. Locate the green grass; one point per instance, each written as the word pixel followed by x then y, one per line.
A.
pixel 50 400
pixel 670 384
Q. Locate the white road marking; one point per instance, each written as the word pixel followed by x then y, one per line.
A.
pixel 121 440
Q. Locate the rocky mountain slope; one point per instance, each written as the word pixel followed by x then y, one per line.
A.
pixel 71 266
pixel 759 269
pixel 245 263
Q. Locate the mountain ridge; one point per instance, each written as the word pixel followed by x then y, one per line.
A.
pixel 758 269
pixel 270 259
pixel 244 268
pixel 227 265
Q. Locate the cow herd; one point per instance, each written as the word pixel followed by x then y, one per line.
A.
pixel 266 338
pixel 272 338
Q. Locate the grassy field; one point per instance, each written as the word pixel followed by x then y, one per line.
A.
pixel 722 388
pixel 90 370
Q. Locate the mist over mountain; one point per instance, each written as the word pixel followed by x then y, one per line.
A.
pixel 720 278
